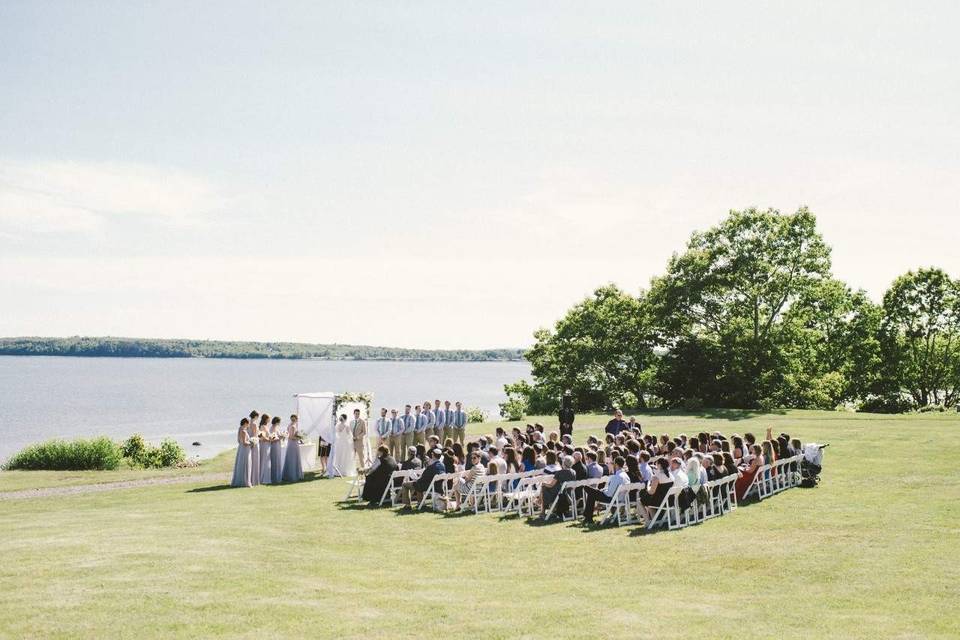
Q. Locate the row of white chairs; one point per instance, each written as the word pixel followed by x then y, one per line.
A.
pixel 519 493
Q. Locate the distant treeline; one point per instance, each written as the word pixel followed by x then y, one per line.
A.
pixel 145 348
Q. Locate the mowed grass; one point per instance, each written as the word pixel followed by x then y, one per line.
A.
pixel 20 480
pixel 870 553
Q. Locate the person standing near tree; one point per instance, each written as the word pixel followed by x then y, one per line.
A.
pixel 566 414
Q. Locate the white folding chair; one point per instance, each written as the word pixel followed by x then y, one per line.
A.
pixel 523 497
pixel 625 509
pixel 397 478
pixel 575 496
pixel 438 491
pixel 356 486
pixel 662 513
pixel 478 495
pixel 505 483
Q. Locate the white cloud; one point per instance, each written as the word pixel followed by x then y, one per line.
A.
pixel 45 197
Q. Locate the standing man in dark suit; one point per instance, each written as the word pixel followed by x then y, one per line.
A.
pixel 566 414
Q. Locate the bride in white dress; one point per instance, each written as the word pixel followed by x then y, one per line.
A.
pixel 342 462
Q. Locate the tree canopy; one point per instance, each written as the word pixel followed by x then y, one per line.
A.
pixel 749 315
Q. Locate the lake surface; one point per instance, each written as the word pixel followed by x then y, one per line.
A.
pixel 203 400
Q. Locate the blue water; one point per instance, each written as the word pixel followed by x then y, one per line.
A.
pixel 203 400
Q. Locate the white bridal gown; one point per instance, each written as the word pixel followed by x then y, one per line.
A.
pixel 342 459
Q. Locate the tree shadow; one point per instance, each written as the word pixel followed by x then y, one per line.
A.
pixel 730 415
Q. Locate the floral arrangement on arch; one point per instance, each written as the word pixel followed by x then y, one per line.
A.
pixel 348 397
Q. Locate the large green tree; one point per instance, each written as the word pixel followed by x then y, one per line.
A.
pixel 921 329
pixel 724 299
pixel 602 350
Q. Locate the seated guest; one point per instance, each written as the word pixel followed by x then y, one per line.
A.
pixel 412 463
pixel 710 464
pixel 579 469
pixel 551 466
pixel 540 461
pixel 492 471
pixel 633 469
pixel 474 474
pixel 553 486
pixel 497 459
pixel 528 459
pixel 657 488
pixel 678 473
pixel 378 475
pixel 729 464
pixel 616 425
pixel 512 459
pixel 594 470
pixel 594 495
pixel 421 484
pixel 748 471
pixel 646 473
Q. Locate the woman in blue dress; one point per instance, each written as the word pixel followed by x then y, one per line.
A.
pixel 276 451
pixel 292 467
pixel 241 465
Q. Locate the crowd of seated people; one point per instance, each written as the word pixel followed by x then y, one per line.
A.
pixel 658 462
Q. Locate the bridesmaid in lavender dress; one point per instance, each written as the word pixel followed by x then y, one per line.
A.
pixel 254 436
pixel 266 444
pixel 276 451
pixel 292 467
pixel 241 466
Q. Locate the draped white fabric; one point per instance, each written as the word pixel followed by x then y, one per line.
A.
pixel 315 414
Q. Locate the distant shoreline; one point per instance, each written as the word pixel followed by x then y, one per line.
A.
pixel 111 347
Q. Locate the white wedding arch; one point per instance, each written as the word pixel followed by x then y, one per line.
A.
pixel 317 416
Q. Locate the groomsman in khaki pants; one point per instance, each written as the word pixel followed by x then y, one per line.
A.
pixel 459 423
pixel 396 436
pixel 409 427
pixel 441 426
pixel 395 439
pixel 420 434
pixel 383 427
pixel 448 422
pixel 431 420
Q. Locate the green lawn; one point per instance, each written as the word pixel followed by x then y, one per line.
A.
pixel 870 553
pixel 18 480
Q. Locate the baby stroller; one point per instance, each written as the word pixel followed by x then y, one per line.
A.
pixel 812 464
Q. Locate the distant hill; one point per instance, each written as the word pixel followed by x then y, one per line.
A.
pixel 148 348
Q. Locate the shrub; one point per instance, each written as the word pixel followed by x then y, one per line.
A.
pixel 134 447
pixel 75 455
pixel 140 453
pixel 476 414
pixel 171 454
pixel 892 403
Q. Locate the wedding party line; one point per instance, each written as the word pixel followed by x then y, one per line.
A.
pixel 264 455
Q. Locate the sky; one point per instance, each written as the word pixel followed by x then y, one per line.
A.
pixel 445 174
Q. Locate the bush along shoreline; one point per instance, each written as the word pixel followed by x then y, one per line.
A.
pixel 97 454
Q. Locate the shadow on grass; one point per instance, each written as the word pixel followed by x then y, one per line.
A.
pixel 730 415
pixel 309 476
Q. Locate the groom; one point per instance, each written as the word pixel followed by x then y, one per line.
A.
pixel 359 429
